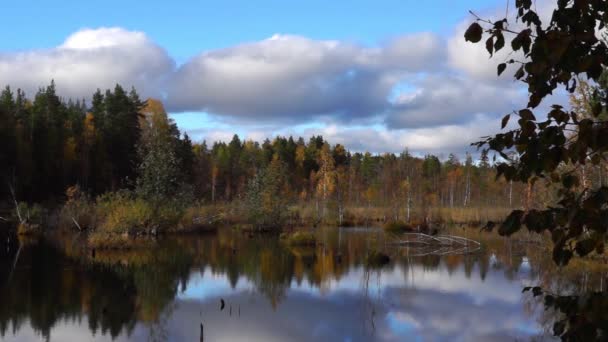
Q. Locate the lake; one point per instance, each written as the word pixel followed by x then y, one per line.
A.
pixel 241 287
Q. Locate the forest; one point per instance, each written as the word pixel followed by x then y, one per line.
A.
pixel 119 142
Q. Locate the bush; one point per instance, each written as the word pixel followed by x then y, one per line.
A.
pixel 129 216
pixel 397 227
pixel 122 212
pixel 79 208
pixel 198 218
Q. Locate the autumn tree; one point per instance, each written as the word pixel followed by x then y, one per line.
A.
pixel 160 176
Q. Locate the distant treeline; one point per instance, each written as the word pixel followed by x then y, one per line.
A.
pixel 49 144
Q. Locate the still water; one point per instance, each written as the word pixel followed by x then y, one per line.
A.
pixel 255 288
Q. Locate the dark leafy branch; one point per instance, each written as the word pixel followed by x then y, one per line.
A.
pixel 557 54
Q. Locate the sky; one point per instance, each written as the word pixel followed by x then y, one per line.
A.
pixel 377 76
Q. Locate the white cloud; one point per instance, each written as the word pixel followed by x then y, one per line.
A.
pixel 294 78
pixel 91 59
pixel 448 99
pixel 418 90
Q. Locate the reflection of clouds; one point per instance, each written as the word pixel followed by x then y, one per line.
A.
pixel 206 284
pixel 493 287
pixel 67 330
pixel 413 303
pixel 405 301
pixel 453 316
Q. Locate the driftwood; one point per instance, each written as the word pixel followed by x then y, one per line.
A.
pixel 436 245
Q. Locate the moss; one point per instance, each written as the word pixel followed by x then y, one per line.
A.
pixel 397 227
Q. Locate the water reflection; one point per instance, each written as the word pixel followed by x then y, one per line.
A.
pixel 165 290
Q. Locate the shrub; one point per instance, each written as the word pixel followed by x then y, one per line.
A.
pixel 121 212
pixel 79 208
pixel 198 218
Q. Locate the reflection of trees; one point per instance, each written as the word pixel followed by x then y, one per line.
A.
pixel 112 293
pixel 54 289
pixel 117 289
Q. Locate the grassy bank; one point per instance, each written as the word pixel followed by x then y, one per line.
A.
pixel 112 220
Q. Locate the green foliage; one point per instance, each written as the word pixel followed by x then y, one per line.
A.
pixel 127 215
pixel 34 214
pixel 159 174
pixel 264 203
pixel 67 142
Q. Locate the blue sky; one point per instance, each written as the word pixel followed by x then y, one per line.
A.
pixel 189 27
pixel 374 75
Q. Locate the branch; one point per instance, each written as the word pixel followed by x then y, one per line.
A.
pixel 21 220
pixel 76 223
pixel 487 21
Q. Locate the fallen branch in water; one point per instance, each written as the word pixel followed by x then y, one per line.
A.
pixel 440 240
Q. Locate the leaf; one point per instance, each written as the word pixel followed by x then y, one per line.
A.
pixel 473 33
pixel 490 45
pixel 526 114
pixel 519 73
pixel 511 224
pixel 500 42
pixel 501 68
pixel 505 121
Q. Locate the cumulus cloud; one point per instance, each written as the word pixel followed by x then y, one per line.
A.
pixel 292 77
pixel 421 91
pixel 448 99
pixel 91 59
